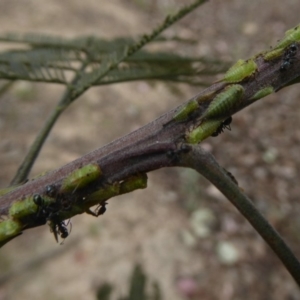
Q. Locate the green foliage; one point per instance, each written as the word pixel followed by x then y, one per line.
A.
pixel 51 59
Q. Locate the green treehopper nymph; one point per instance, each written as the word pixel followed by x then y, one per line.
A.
pixel 262 93
pixel 205 130
pixel 224 102
pixel 240 71
pixel 183 113
pixel 81 178
pixel 8 229
pixel 292 35
pixel 26 207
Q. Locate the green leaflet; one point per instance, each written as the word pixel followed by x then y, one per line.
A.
pixel 205 130
pixel 292 35
pixel 262 93
pixel 185 111
pixel 224 102
pixel 81 178
pixel 8 229
pixel 240 70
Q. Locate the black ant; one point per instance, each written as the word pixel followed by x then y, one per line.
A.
pixel 174 154
pixel 50 214
pixel 43 211
pixel 231 176
pixel 100 210
pixel 59 228
pixel 288 57
pixel 225 125
pixel 292 50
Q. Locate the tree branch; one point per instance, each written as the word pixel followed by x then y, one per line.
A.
pixel 119 166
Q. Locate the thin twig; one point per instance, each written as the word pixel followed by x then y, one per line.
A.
pixel 205 164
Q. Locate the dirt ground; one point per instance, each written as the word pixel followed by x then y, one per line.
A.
pixel 185 234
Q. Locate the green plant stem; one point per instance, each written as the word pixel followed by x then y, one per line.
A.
pixel 205 164
pixel 36 146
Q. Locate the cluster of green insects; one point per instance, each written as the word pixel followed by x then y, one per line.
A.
pixel 57 199
pixel 286 47
pixel 215 118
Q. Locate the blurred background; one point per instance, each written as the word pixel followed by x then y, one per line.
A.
pixel 186 236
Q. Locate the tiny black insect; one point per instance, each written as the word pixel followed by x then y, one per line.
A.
pixel 50 214
pixel 288 57
pixel 58 227
pixel 225 125
pixel 50 190
pixel 43 210
pixel 174 155
pixel 102 208
pixel 292 50
pixel 231 176
pixel 285 65
pixel 62 229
